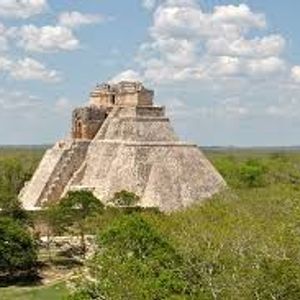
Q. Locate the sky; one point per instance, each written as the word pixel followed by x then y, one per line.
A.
pixel 228 72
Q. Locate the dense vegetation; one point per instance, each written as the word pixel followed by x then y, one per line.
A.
pixel 18 247
pixel 243 244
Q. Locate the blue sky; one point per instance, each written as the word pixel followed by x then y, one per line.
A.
pixel 228 71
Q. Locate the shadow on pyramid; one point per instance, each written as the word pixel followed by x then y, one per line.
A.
pixel 121 141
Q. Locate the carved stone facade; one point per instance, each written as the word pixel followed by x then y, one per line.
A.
pixel 121 141
pixel 121 94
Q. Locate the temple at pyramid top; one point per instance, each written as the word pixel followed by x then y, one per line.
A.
pixel 124 93
pixel 88 120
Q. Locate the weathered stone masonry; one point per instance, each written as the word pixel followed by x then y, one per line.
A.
pixel 122 141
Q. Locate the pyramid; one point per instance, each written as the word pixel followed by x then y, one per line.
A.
pixel 122 141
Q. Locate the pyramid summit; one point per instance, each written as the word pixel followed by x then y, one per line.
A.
pixel 122 141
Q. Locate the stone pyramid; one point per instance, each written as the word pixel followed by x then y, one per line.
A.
pixel 121 141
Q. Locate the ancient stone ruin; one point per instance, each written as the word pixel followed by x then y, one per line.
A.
pixel 121 141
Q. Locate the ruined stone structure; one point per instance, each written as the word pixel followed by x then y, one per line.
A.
pixel 121 141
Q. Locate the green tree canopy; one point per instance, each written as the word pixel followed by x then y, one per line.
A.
pixel 18 250
pixel 72 212
pixel 133 262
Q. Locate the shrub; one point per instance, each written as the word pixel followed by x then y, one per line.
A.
pixel 125 198
pixel 18 251
pixel 252 173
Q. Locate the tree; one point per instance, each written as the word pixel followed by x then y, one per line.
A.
pixel 133 261
pixel 125 198
pixel 12 177
pixel 11 207
pixel 72 212
pixel 18 250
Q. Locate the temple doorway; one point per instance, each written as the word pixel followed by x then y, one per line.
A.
pixel 78 130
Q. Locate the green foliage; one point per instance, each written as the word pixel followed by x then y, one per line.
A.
pixel 12 208
pixel 239 246
pixel 76 207
pixel 243 244
pixel 18 251
pixel 257 170
pixel 57 291
pixel 125 198
pixel 13 175
pixel 16 167
pixel 133 262
pixel 252 173
pixel 72 213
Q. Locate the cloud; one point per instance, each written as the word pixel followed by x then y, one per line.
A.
pixel 75 19
pixel 47 39
pixel 22 9
pixel 18 100
pixel 3 38
pixel 128 75
pixel 28 69
pixel 268 46
pixel 182 19
pixel 295 74
pixel 6 34
pixel 228 108
pixel 149 4
pixel 5 64
pixel 187 43
pixel 238 15
pixel 265 66
pixel 289 108
pixel 62 106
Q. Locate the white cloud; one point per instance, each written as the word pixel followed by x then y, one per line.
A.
pixel 270 65
pixel 5 35
pixel 47 38
pixel 272 45
pixel 28 69
pixel 295 74
pixel 75 19
pixel 22 9
pixel 176 19
pixel 187 43
pixel 240 15
pixel 149 4
pixel 128 75
pixel 5 64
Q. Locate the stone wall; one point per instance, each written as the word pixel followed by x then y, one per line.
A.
pixel 166 175
pixel 53 173
pixel 32 191
pixel 86 121
pixel 137 124
pixel 69 163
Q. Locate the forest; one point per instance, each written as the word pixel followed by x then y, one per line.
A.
pixel 242 244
